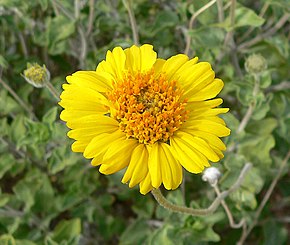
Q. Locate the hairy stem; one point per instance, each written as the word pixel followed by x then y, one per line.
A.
pixel 128 5
pixel 191 22
pixel 251 107
pixel 200 212
pixel 52 90
pixel 228 211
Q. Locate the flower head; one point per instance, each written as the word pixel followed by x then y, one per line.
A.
pixel 149 115
pixel 255 64
pixel 36 75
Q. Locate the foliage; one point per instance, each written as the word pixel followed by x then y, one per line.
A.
pixel 50 195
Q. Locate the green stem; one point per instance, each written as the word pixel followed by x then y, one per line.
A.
pixel 191 22
pixel 128 5
pixel 18 99
pixel 52 90
pixel 200 212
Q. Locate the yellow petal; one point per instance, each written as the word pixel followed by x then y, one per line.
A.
pixel 171 169
pixel 209 92
pixel 185 71
pixel 92 121
pixel 90 79
pixel 69 114
pixel 80 94
pixel 118 155
pixel 86 130
pixel 211 139
pixel 200 74
pixel 154 165
pixel 204 125
pixel 158 65
pixel 199 144
pixel 138 166
pixel 203 105
pixel 79 146
pixel 173 64
pixel 206 113
pixel 116 60
pixel 145 185
pixel 148 57
pixel 140 58
pixel 192 160
pixel 100 143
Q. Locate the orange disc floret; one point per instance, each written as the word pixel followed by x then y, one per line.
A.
pixel 149 107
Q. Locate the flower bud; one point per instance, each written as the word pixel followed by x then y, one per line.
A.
pixel 211 175
pixel 255 64
pixel 36 75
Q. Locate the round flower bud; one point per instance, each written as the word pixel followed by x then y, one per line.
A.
pixel 211 175
pixel 255 64
pixel 36 75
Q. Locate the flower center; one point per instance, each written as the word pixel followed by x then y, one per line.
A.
pixel 148 107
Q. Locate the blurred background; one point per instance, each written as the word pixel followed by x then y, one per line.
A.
pixel 50 195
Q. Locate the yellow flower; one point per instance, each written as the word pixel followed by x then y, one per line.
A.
pixel 150 115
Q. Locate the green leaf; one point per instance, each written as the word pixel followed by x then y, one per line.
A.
pixel 50 116
pixel 207 37
pixel 262 146
pixel 262 127
pixel 165 19
pixel 136 233
pixel 3 62
pixel 7 104
pixel 24 242
pixel 265 79
pixel 18 130
pixel 43 4
pixel 59 29
pixel 26 188
pixel 244 198
pixel 161 236
pixel 4 199
pixel 61 158
pixel 67 230
pixel 253 181
pixel 243 17
pixel 262 106
pixel 6 163
pixel 7 240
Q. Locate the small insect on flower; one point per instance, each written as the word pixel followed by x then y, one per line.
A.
pixel 149 115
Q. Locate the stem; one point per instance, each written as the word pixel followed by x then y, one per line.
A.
pixel 229 38
pixel 220 10
pixel 274 182
pixel 91 17
pixel 52 90
pixel 191 22
pixel 128 5
pixel 228 211
pixel 83 51
pixel 18 99
pixel 200 212
pixel 251 107
pixel 270 32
